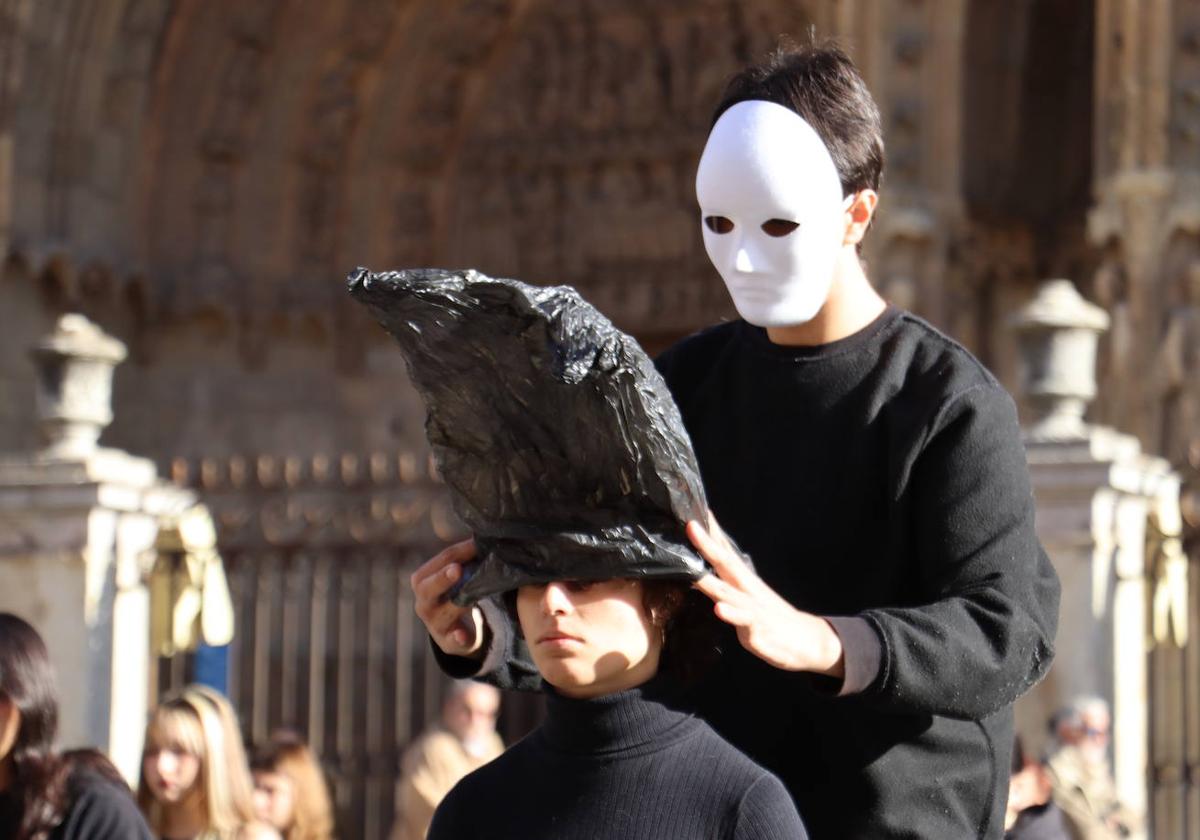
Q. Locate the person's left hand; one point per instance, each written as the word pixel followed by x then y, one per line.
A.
pixel 767 625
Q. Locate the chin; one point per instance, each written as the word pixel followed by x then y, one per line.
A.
pixel 565 678
pixel 780 316
pixel 780 322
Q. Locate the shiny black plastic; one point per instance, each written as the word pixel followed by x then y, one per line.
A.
pixel 562 448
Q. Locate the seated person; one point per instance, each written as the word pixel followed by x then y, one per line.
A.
pixel 616 757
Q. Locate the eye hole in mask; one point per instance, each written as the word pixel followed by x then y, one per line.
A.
pixel 778 227
pixel 718 224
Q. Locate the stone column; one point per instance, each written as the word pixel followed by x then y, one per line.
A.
pixel 911 57
pixel 1096 490
pixel 78 525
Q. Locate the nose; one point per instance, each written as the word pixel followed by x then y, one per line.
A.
pixel 748 256
pixel 166 763
pixel 555 599
pixel 742 260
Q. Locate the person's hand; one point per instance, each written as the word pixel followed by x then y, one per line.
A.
pixel 458 631
pixel 767 625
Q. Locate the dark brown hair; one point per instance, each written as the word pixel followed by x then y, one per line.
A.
pixel 689 627
pixel 39 777
pixel 819 82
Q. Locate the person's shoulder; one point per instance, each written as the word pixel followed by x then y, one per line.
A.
pixel 101 808
pixel 700 345
pixel 687 364
pixel 516 762
pixel 473 797
pixel 737 768
pixel 925 350
pixel 933 379
pixel 767 811
pixel 764 809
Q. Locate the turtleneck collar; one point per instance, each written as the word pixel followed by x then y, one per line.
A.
pixel 625 720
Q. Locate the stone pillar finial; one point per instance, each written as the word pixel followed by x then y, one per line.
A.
pixel 74 385
pixel 1058 333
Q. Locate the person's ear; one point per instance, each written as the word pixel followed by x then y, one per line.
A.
pixel 858 216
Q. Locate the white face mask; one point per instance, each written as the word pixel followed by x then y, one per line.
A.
pixel 771 209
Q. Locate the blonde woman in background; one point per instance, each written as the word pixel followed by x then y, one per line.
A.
pixel 195 783
pixel 289 789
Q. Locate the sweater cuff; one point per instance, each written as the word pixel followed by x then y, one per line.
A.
pixel 862 650
pixel 497 637
pixel 499 629
pixel 455 667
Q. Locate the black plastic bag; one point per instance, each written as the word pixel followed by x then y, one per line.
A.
pixel 562 448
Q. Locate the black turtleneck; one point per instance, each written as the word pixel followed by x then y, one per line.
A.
pixel 628 765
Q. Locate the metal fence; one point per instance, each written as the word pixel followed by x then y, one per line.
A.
pixel 318 553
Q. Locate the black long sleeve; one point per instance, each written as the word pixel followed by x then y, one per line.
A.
pixel 985 635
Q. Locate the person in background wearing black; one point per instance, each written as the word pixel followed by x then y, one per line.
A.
pixel 44 795
pixel 869 466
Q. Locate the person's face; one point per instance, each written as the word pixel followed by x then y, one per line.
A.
pixel 471 715
pixel 170 773
pixel 589 639
pixel 274 799
pixel 10 725
pixel 1094 733
pixel 773 216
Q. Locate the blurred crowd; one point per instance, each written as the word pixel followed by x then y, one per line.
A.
pixel 196 780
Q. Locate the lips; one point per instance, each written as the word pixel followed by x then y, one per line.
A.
pixel 557 638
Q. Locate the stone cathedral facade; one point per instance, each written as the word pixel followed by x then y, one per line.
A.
pixel 198 176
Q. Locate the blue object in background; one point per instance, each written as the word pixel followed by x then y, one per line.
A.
pixel 212 667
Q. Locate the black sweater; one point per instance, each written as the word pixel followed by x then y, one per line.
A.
pixel 627 766
pixel 880 476
pixel 98 809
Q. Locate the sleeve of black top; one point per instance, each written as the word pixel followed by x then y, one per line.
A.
pixel 507 665
pixel 985 633
pixel 102 811
pixel 767 812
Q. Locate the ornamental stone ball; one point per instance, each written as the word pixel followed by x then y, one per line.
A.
pixel 1058 333
pixel 74 385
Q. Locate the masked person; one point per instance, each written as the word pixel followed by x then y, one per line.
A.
pixel 871 468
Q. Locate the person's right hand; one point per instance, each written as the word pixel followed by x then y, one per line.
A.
pixel 458 631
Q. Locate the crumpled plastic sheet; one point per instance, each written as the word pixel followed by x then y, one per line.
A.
pixel 562 448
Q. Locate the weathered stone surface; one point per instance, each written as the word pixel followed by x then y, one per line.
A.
pixel 564 451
